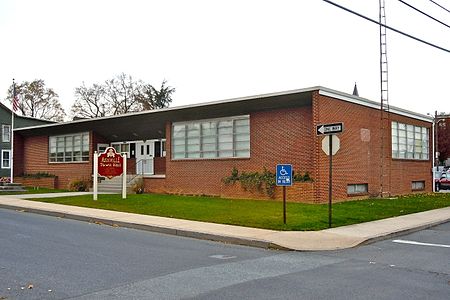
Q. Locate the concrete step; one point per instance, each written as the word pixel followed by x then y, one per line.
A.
pixel 11 187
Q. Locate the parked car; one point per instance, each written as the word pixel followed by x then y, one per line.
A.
pixel 443 182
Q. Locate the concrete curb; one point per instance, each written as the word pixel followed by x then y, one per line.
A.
pixel 153 228
pixel 337 238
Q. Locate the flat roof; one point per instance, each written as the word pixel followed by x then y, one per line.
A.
pixel 151 123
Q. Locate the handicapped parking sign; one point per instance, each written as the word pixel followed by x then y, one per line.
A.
pixel 284 175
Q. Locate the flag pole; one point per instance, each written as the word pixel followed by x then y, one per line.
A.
pixel 12 132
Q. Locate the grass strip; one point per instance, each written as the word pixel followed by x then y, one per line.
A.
pixel 259 213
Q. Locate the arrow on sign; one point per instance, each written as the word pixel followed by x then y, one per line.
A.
pixel 321 129
pixel 330 128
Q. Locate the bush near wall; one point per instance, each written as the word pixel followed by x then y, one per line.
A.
pixel 299 192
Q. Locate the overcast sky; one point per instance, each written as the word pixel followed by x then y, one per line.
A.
pixel 214 50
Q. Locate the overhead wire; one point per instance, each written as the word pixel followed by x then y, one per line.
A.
pixel 423 13
pixel 434 2
pixel 388 27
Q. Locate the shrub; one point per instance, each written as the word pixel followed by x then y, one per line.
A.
pixel 138 186
pixel 79 185
pixel 261 181
pixel 38 175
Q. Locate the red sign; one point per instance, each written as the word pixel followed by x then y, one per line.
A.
pixel 110 163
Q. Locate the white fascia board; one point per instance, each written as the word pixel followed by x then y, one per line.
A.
pixel 373 104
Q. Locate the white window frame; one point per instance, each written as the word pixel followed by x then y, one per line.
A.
pixel 410 142
pixel 69 146
pixel 9 159
pixel 8 131
pixel 225 138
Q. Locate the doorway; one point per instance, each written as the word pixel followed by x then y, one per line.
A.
pixel 144 157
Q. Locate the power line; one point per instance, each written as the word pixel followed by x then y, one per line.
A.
pixel 439 5
pixel 388 27
pixel 423 13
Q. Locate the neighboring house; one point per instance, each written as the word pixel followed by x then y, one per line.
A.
pixel 190 149
pixel 5 142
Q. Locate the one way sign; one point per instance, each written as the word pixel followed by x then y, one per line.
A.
pixel 330 128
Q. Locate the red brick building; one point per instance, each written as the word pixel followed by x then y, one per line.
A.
pixel 190 149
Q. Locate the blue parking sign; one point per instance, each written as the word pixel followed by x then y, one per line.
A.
pixel 284 175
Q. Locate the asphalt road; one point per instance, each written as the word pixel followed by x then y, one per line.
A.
pixel 66 259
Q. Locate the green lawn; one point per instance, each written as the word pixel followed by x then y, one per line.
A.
pixel 260 214
pixel 33 190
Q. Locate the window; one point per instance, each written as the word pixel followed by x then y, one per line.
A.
pixel 361 188
pixel 160 148
pixel 6 133
pixel 218 138
pixel 418 185
pixel 410 142
pixel 69 148
pixel 6 159
pixel 122 148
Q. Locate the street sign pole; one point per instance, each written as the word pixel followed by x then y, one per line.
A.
pixel 284 178
pixel 330 180
pixel 284 204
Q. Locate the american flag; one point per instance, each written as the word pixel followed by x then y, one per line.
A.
pixel 15 102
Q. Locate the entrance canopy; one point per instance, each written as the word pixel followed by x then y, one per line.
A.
pixel 151 124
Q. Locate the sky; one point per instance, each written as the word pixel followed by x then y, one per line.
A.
pixel 215 50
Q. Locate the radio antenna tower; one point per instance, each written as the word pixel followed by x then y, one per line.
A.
pixel 385 170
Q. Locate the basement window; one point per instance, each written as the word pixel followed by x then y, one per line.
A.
pixel 418 185
pixel 357 189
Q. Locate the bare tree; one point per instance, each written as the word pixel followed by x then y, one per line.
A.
pixel 154 99
pixel 89 102
pixel 37 101
pixel 119 95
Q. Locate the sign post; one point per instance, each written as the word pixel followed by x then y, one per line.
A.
pixel 124 177
pixel 284 178
pixel 95 175
pixel 328 142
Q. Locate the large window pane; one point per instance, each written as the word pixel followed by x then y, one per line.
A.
pixel 212 138
pixel 69 148
pixel 409 141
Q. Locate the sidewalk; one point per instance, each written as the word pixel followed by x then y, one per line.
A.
pixel 328 239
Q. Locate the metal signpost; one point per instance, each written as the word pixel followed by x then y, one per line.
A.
pixel 331 139
pixel 284 179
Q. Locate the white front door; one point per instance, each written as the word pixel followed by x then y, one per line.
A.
pixel 144 157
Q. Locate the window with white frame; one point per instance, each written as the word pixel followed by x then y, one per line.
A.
pixel 69 148
pixel 6 159
pixel 6 133
pixel 409 141
pixel 217 138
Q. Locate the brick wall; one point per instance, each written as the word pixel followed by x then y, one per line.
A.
pixel 18 155
pixel 35 159
pixel 45 182
pixel 358 160
pixel 269 146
